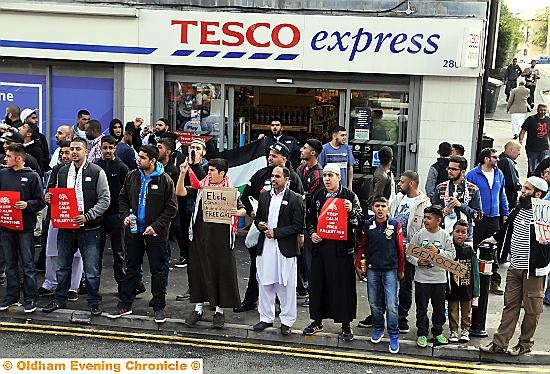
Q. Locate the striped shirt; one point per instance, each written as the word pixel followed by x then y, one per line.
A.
pixel 521 238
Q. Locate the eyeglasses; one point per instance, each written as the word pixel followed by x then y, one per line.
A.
pixel 495 157
pixel 453 169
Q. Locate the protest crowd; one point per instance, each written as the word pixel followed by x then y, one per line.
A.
pixel 310 237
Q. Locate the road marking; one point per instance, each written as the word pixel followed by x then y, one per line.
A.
pixel 360 358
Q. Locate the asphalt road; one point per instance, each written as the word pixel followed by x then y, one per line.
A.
pixel 30 345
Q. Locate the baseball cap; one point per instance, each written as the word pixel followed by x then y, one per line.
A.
pixel 538 183
pixel 13 137
pixel 281 149
pixel 27 112
pixel 331 168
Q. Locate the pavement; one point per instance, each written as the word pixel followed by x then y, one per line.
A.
pixel 239 325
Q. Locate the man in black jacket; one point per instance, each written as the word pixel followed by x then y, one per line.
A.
pixel 149 197
pixel 30 116
pixel 507 164
pixel 13 116
pixel 9 138
pixel 526 276
pixel 92 194
pixel 438 171
pixel 280 219
pixel 18 244
pixel 277 136
pixel 261 181
pixel 116 172
pixel 32 144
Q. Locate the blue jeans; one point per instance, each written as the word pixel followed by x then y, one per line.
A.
pixel 68 242
pixel 19 247
pixel 382 285
pixel 534 158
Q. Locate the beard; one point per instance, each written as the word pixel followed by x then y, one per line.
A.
pixel 525 202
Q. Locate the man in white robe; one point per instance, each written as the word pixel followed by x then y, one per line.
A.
pixel 280 220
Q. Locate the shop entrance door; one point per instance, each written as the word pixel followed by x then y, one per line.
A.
pixel 304 112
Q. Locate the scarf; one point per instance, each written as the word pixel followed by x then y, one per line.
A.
pixel 449 220
pixel 74 180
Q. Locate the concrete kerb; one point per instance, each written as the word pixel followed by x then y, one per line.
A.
pixel 272 335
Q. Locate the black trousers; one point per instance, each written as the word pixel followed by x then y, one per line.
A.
pixel 112 225
pixel 252 290
pixel 158 255
pixel 406 291
pixel 424 294
pixel 531 98
pixel 484 229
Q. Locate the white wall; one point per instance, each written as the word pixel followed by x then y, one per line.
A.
pixel 138 85
pixel 447 114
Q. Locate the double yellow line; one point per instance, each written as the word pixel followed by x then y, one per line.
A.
pixel 350 357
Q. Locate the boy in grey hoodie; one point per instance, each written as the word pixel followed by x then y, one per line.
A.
pixel 430 281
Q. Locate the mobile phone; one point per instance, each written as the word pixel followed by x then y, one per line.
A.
pixel 193 156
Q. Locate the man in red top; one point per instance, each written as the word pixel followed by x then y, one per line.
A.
pixel 382 243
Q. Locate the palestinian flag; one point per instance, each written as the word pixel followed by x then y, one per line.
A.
pixel 245 161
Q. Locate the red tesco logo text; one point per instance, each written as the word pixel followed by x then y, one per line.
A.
pixel 234 33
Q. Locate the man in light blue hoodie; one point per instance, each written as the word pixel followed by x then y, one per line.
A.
pixel 149 192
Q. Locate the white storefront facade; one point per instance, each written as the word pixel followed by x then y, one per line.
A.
pixel 405 82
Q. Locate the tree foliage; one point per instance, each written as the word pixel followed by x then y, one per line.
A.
pixel 509 36
pixel 541 35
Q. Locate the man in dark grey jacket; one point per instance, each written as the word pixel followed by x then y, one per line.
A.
pixel 92 193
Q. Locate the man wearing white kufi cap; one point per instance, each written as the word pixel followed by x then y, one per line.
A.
pixel 526 276
pixel 332 292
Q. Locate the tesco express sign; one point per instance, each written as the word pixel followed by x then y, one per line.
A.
pixel 348 44
pixel 288 35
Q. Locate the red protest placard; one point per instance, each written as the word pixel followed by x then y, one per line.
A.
pixel 10 217
pixel 333 220
pixel 186 137
pixel 64 207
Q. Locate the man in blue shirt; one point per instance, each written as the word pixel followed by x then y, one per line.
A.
pixel 339 153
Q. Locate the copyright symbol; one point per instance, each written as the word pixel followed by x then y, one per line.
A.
pixel 195 365
pixel 7 365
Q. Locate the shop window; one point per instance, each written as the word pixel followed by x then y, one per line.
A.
pixel 377 119
pixel 70 94
pixel 195 107
pixel 304 112
pixel 26 91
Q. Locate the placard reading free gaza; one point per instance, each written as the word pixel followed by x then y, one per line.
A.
pixel 217 203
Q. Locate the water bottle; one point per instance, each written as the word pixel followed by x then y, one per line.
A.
pixel 133 222
pixel 455 195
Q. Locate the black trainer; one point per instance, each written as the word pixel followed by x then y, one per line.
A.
pixel 160 315
pixel 44 292
pixel 53 305
pixel 119 312
pixel 182 262
pixel 313 328
pixel 4 305
pixel 367 322
pixel 347 333
pixel 404 326
pixel 261 326
pixel 96 310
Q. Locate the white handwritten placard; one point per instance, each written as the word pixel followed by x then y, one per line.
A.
pixel 541 216
pixel 217 203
